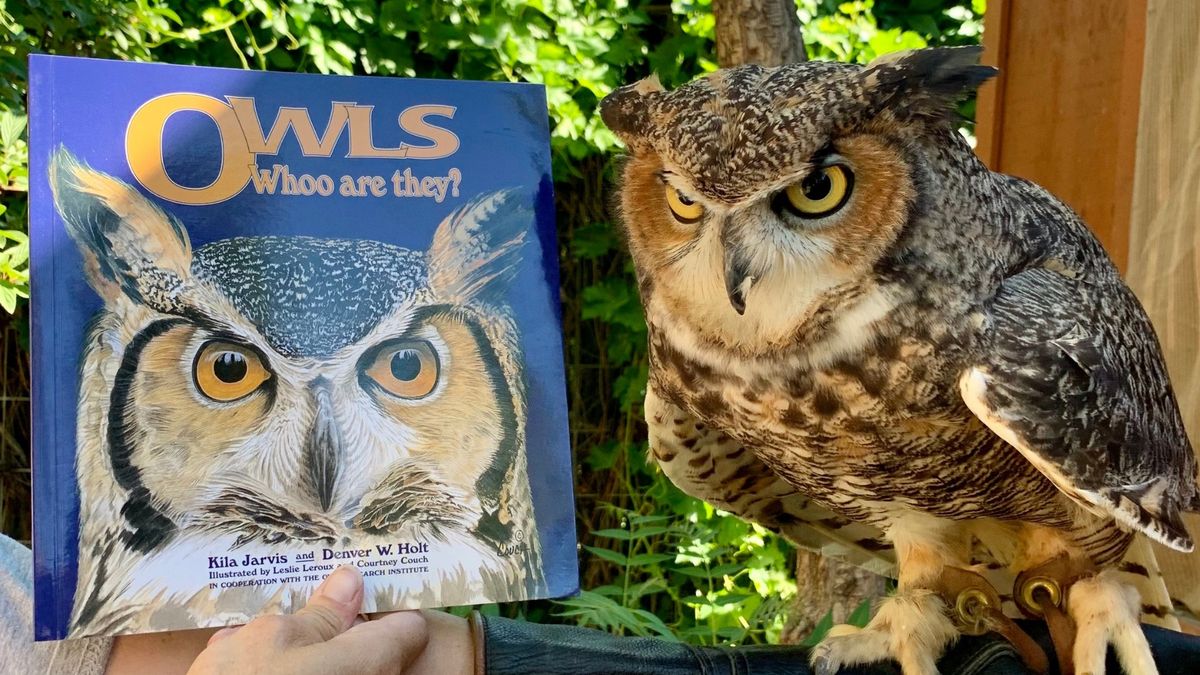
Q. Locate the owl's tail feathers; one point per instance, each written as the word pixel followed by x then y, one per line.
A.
pixel 1180 571
pixel 1139 568
pixel 814 528
pixel 1149 509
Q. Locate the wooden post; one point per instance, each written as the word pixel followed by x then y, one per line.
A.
pixel 1063 111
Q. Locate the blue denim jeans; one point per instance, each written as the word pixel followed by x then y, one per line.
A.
pixel 527 648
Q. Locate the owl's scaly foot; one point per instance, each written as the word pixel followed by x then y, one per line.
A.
pixel 1101 609
pixel 1106 610
pixel 911 627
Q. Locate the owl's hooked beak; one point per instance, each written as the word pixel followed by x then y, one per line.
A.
pixel 738 279
pixel 324 445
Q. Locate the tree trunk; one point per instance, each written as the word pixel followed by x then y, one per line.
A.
pixel 827 585
pixel 767 32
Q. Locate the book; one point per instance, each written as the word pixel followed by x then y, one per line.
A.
pixel 282 323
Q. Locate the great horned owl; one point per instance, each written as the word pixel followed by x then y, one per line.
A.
pixel 863 338
pixel 267 394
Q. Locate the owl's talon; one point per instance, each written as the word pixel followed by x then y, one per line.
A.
pixel 825 659
pixel 836 651
pixel 911 628
pixel 821 665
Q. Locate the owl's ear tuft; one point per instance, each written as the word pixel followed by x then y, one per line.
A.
pixel 923 82
pixel 625 113
pixel 477 248
pixel 129 246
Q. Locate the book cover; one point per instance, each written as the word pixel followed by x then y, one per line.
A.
pixel 282 323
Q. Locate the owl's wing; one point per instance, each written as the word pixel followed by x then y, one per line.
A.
pixel 709 465
pixel 1072 376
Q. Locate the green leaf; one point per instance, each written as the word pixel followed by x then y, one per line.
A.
pixel 610 556
pixel 610 590
pixel 595 609
pixel 593 240
pixel 692 571
pixel 612 534
pixel 644 519
pixel 343 50
pixel 649 531
pixel 613 300
pixel 644 559
pixel 603 456
pixel 8 298
pixel 861 614
pixel 731 599
pixel 655 625
pixel 819 631
pixel 216 16
pixel 11 127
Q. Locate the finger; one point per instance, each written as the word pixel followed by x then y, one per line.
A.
pixel 222 634
pixel 389 644
pixel 332 607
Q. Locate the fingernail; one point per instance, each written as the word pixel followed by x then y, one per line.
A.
pixel 342 585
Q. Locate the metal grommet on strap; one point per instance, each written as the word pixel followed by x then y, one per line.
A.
pixel 1035 591
pixel 971 607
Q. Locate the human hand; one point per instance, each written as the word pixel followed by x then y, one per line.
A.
pixel 326 636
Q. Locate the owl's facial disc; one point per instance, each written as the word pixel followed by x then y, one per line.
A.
pixel 749 271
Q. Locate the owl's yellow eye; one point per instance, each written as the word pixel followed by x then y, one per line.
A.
pixel 405 368
pixel 821 193
pixel 225 371
pixel 684 209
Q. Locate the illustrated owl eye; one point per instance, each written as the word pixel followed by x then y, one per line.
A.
pixel 225 371
pixel 684 209
pixel 820 193
pixel 406 368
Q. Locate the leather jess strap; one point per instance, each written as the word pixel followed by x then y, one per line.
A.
pixel 1041 592
pixel 1062 633
pixel 976 609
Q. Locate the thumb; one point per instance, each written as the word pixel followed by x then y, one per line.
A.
pixel 332 607
pixel 387 645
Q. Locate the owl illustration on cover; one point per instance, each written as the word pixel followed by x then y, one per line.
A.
pixel 268 393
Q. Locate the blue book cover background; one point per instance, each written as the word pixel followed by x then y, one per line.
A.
pixel 285 322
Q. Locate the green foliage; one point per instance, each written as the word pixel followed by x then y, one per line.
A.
pixel 14 267
pixel 654 561
pixel 861 30
pixel 14 179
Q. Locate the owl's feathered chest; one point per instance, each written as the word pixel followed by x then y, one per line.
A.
pixel 882 423
pixel 866 397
